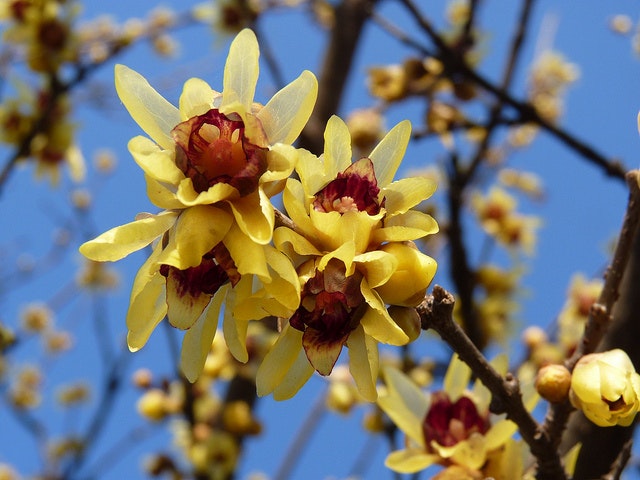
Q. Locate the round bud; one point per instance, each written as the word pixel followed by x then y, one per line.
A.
pixel 553 383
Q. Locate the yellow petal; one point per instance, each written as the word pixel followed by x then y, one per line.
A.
pixel 499 434
pixel 344 253
pixel 234 329
pixel 156 163
pixel 147 308
pixel 289 242
pixel 334 229
pixel 288 111
pixel 377 266
pixel 155 115
pixel 187 195
pixel 184 307
pixel 284 285
pixel 300 371
pixel 120 241
pixel 312 174
pixel 255 216
pixel 406 193
pixel 197 231
pixel 377 322
pixel 408 226
pixel 241 71
pixel 295 204
pixel 405 404
pixel 196 98
pixel 337 147
pixel 248 256
pixel 363 363
pixel 410 460
pixel 75 160
pixel 457 378
pixel 386 157
pixel 279 360
pixel 196 343
pixel 471 453
pixel 281 160
pixel 162 195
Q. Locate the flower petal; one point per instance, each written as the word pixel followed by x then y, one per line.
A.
pixel 337 150
pixel 278 360
pixel 120 241
pixel 281 160
pixel 248 256
pixel 196 98
pixel 377 266
pixel 404 403
pixel 406 193
pixel 296 377
pixel 184 306
pixel 255 216
pixel 363 363
pixel 410 460
pixel 197 341
pixel 404 227
pixel 377 322
pixel 156 163
pixel 241 71
pixel 234 329
pixel 187 195
pixel 155 115
pixel 288 111
pixel 457 378
pixel 386 157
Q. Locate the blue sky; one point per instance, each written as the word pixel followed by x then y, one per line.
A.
pixel 582 211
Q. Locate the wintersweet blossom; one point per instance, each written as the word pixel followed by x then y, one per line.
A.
pixel 451 427
pixel 212 165
pixel 606 387
pixel 352 247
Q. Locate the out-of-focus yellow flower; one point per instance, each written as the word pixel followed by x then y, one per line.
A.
pixel 571 320
pixel 36 318
pixel 354 254
pixel 549 78
pixel 451 427
pixel 606 388
pixel 212 165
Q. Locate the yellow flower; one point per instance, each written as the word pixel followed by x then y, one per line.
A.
pixel 450 428
pixel 212 165
pixel 606 388
pixel 353 252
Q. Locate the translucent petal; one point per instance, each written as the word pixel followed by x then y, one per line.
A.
pixel 457 378
pixel 155 115
pixel 300 371
pixel 184 306
pixel 255 216
pixel 235 330
pixel 146 309
pixel 311 171
pixel 363 363
pixel 337 147
pixel 410 460
pixel 288 111
pixel 294 201
pixel 120 241
pixel 406 193
pixel 241 71
pixel 278 360
pixel 248 256
pixel 196 98
pixel 499 434
pixel 196 343
pixel 156 163
pixel 405 404
pixel 386 157
pixel 377 322
pixel 281 160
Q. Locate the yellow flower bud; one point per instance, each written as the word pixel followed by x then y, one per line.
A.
pixel 152 405
pixel 553 383
pixel 606 387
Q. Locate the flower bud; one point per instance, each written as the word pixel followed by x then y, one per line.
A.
pixel 152 405
pixel 606 388
pixel 553 383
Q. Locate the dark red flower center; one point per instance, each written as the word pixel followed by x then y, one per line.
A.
pixel 212 148
pixel 450 422
pixel 355 189
pixel 330 309
pixel 216 269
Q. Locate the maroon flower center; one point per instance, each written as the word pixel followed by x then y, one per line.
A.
pixel 211 148
pixel 330 309
pixel 216 269
pixel 449 423
pixel 355 189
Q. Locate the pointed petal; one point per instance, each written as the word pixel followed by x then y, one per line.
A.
pixel 241 71
pixel 196 98
pixel 337 149
pixel 363 363
pixel 405 404
pixel 255 216
pixel 278 360
pixel 408 226
pixel 155 115
pixel 386 157
pixel 289 242
pixel 377 322
pixel 312 174
pixel 120 241
pixel 410 460
pixel 295 203
pixel 296 377
pixel 288 111
pixel 499 434
pixel 284 285
pixel 187 195
pixel 162 195
pixel 234 329
pixel 156 163
pixel 321 352
pixel 377 266
pixel 456 380
pixel 281 160
pixel 197 340
pixel 406 193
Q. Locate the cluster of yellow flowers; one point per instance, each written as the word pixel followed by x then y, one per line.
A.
pixel 328 268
